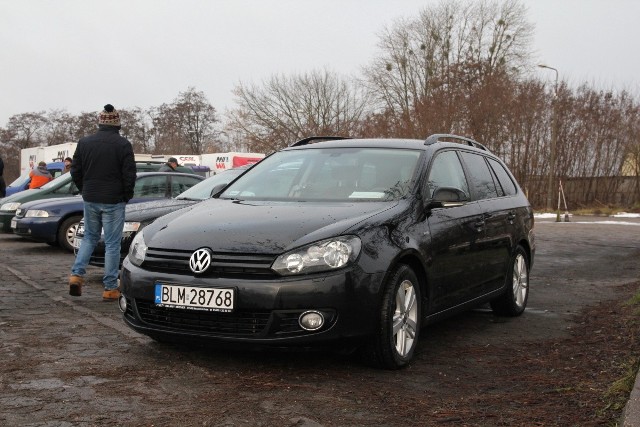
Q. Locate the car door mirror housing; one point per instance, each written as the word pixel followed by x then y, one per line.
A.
pixel 448 197
pixel 217 189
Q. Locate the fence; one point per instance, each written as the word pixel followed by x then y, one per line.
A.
pixel 623 191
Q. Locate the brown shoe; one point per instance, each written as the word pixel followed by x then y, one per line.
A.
pixel 75 285
pixel 111 295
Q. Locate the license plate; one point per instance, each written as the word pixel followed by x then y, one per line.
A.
pixel 194 298
pixel 14 223
pixel 76 243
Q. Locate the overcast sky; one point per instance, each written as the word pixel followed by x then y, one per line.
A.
pixel 78 55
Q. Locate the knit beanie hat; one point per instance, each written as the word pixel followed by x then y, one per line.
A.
pixel 109 116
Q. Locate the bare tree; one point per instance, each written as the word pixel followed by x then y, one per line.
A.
pixel 189 124
pixel 23 131
pixel 85 124
pixel 61 127
pixel 136 127
pixel 285 109
pixel 27 130
pixel 451 47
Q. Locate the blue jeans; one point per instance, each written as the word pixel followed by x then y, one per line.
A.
pixel 98 217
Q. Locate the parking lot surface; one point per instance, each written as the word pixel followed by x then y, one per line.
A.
pixel 72 361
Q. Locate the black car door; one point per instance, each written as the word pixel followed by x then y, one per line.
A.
pixel 495 244
pixel 452 246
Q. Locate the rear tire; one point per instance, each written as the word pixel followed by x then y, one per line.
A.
pixel 514 300
pixel 398 329
pixel 67 232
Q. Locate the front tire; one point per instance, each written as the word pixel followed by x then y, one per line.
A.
pixel 67 232
pixel 514 300
pixel 398 329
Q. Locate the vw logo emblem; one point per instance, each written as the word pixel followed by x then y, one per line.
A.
pixel 200 260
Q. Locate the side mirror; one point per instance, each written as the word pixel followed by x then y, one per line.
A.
pixel 444 197
pixel 217 189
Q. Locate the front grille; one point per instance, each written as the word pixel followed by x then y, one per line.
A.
pixel 222 264
pixel 238 323
pixel 21 230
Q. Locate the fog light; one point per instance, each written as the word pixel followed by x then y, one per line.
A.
pixel 311 320
pixel 122 303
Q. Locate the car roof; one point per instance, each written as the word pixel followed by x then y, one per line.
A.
pixel 433 141
pixel 138 175
pixel 168 173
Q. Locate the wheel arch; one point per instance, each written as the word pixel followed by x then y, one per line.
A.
pixel 67 216
pixel 527 249
pixel 412 259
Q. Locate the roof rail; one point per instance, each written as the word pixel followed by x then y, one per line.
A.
pixel 437 136
pixel 314 139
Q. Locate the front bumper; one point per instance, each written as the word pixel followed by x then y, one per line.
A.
pixel 267 309
pixel 97 257
pixel 38 229
pixel 5 221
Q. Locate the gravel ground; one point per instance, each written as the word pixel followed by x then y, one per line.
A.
pixel 72 362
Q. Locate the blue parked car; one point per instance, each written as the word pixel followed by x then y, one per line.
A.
pixel 22 182
pixel 139 215
pixel 54 221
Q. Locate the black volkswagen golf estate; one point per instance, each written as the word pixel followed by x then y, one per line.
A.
pixel 358 241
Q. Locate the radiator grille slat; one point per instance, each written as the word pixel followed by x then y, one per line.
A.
pixel 222 264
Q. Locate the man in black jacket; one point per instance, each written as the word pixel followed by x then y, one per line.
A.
pixel 104 170
pixel 3 186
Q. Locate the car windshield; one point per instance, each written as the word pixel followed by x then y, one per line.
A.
pixel 331 174
pixel 57 181
pixel 202 190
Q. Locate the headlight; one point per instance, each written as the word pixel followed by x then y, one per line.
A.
pixel 12 206
pixel 130 226
pixel 36 213
pixel 325 255
pixel 138 249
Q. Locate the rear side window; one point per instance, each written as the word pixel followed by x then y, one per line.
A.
pixel 154 186
pixel 447 171
pixel 481 178
pixel 504 179
pixel 181 183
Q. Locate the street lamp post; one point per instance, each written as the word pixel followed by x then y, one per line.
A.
pixel 554 136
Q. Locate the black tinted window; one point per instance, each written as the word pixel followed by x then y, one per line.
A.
pixel 504 179
pixel 154 186
pixel 447 171
pixel 481 177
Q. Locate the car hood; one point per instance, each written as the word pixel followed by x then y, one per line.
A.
pixel 22 196
pixel 257 226
pixel 55 204
pixel 147 211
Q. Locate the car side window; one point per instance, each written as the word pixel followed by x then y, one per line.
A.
pixel 181 183
pixel 481 178
pixel 150 187
pixel 446 171
pixel 504 179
